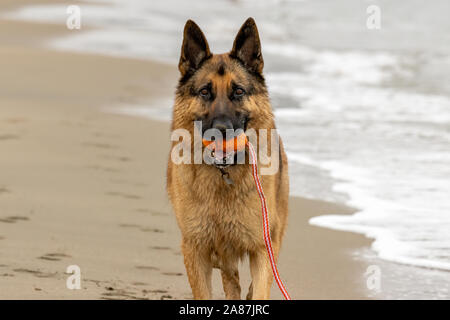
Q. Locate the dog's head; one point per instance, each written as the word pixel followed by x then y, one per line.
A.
pixel 223 91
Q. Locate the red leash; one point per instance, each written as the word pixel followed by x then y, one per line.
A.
pixel 266 228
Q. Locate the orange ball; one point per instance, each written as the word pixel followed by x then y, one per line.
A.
pixel 238 143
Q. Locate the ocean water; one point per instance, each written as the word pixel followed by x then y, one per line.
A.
pixel 364 114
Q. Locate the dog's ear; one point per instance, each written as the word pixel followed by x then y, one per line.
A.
pixel 247 47
pixel 194 49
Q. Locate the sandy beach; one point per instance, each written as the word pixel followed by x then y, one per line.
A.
pixel 81 186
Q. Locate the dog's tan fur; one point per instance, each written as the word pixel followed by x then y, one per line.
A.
pixel 222 223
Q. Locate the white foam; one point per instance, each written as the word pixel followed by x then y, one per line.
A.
pixel 385 242
pixel 382 220
pixel 159 110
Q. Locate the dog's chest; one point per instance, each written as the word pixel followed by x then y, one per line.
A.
pixel 232 225
pixel 223 215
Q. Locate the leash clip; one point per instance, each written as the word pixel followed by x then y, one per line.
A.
pixel 226 177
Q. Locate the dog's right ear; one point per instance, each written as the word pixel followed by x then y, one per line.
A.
pixel 194 50
pixel 247 47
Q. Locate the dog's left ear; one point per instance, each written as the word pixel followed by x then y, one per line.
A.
pixel 194 50
pixel 247 47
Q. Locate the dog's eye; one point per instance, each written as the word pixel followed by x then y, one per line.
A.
pixel 204 92
pixel 239 92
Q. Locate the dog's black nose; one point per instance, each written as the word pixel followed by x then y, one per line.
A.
pixel 222 124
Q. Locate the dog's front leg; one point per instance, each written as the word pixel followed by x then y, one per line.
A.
pixel 261 273
pixel 199 269
pixel 230 280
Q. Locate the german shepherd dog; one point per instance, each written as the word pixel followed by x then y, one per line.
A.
pixel 221 223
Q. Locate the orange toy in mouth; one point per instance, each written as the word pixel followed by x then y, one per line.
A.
pixel 235 144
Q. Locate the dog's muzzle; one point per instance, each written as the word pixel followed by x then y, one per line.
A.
pixel 222 160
